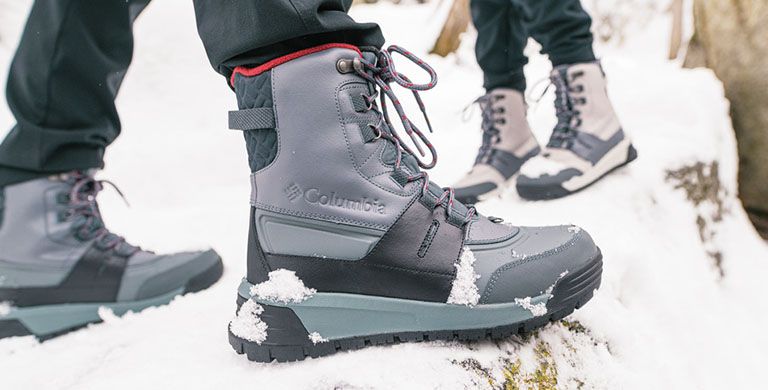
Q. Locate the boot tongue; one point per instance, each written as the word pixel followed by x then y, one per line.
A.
pixel 390 155
pixel 370 56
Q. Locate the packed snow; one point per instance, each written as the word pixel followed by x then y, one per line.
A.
pixel 464 290
pixel 283 286
pixel 317 338
pixel 666 316
pixel 247 324
pixel 537 309
pixel 551 288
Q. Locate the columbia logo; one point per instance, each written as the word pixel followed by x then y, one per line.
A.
pixel 315 196
pixel 293 191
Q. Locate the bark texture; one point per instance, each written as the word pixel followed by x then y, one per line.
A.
pixel 450 36
pixel 731 37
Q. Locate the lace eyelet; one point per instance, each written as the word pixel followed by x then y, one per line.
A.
pixel 376 130
pixel 345 66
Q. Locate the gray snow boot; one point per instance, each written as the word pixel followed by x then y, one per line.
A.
pixel 351 245
pixel 587 142
pixel 59 264
pixel 507 143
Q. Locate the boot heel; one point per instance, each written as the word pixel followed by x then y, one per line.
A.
pixel 631 153
pixel 287 339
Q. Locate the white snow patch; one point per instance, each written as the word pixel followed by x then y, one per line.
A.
pixel 537 309
pixel 540 165
pixel 283 286
pixel 5 308
pixel 316 338
pixel 574 229
pixel 464 290
pixel 107 315
pixel 551 288
pixel 247 324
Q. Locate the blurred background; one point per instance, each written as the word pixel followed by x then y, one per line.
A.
pixel 728 37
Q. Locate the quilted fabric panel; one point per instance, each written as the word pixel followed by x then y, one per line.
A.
pixel 256 92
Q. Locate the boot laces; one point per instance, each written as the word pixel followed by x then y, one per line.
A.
pixel 382 73
pixel 86 216
pixel 566 108
pixel 492 117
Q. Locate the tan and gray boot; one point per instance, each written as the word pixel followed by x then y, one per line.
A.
pixel 587 143
pixel 507 143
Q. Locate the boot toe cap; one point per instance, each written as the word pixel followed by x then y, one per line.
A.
pixel 471 194
pixel 534 261
pixel 545 186
pixel 149 275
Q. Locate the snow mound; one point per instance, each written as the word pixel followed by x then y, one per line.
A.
pixel 282 286
pixel 464 290
pixel 247 324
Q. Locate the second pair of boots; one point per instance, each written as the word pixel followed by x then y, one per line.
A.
pixel 586 144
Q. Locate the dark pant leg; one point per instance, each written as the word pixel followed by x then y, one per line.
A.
pixel 501 40
pixel 562 27
pixel 62 85
pixel 251 32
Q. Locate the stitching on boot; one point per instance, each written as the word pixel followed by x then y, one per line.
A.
pixel 497 274
pixel 428 238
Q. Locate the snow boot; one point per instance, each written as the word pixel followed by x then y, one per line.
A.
pixel 351 245
pixel 59 264
pixel 587 142
pixel 507 143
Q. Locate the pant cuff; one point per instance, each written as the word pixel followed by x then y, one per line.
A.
pixel 513 80
pixel 574 56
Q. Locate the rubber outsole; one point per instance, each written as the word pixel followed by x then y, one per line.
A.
pixel 14 328
pixel 288 340
pixel 556 191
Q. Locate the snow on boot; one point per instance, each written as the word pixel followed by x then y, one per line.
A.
pixel 587 142
pixel 507 144
pixel 59 264
pixel 351 245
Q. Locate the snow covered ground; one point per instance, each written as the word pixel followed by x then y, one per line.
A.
pixel 666 316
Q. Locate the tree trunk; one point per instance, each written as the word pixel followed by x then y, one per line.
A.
pixel 676 36
pixel 450 36
pixel 731 37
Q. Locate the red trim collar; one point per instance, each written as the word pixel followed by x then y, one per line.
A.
pixel 248 72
